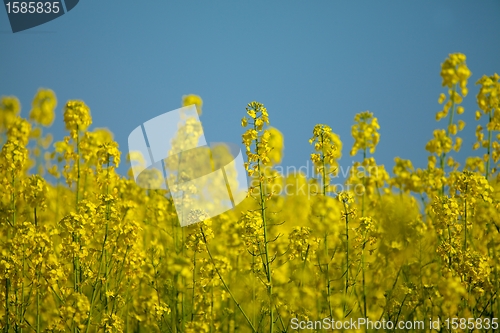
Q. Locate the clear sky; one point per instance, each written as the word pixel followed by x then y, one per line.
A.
pixel 309 62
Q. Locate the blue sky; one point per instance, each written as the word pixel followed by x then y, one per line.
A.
pixel 309 62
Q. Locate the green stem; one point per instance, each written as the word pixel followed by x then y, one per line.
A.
pixel 21 314
pixel 465 224
pixel 224 283
pixel 347 258
pixel 212 307
pixel 127 308
pixel 7 308
pixel 37 283
pixel 327 270
pixel 76 261
pixel 183 279
pixel 94 287
pixel 363 276
pixel 364 187
pixel 363 247
pixel 489 147
pixel 7 280
pixel 497 284
pixel 325 185
pixel 108 213
pixel 449 241
pixel 194 286
pixel 253 292
pixel 266 241
pixel 77 166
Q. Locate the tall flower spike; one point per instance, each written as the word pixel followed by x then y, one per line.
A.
pixel 328 149
pixel 488 100
pixel 259 117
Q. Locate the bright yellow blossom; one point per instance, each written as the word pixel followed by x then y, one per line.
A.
pixel 193 100
pixel 42 110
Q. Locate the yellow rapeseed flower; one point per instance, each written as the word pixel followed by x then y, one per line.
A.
pixel 454 70
pixel 43 105
pixel 77 116
pixel 193 100
pixel 9 109
pixel 364 132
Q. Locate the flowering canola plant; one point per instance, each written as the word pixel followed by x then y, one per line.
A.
pixel 84 249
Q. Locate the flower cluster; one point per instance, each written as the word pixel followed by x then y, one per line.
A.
pixel 77 116
pixel 488 101
pixel 9 110
pixel 365 133
pixel 43 107
pixel 195 100
pixel 454 71
pixel 328 149
pixel 259 156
